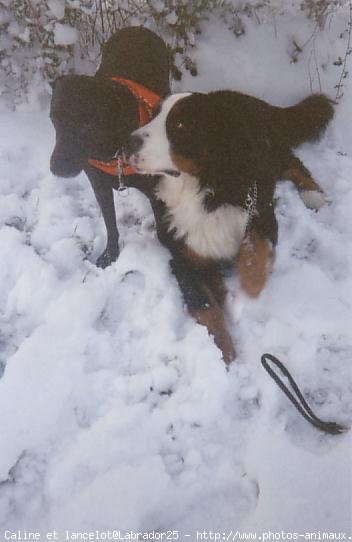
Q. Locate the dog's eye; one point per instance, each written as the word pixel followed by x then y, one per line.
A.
pixel 180 125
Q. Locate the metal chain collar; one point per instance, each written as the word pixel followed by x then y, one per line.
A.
pixel 119 170
pixel 250 203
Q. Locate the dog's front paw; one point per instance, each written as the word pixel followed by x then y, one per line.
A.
pixel 109 256
pixel 313 199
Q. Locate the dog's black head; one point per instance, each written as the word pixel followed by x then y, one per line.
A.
pixel 92 117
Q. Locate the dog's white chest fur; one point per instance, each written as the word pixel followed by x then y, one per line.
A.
pixel 217 234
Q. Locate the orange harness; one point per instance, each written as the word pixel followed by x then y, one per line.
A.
pixel 147 101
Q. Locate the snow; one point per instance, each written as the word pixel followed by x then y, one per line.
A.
pixel 116 409
pixel 64 34
pixel 57 7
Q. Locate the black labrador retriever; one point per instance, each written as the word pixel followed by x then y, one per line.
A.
pixel 94 115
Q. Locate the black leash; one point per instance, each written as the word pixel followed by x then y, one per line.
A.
pixel 300 403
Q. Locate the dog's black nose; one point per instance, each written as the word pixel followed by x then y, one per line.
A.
pixel 132 145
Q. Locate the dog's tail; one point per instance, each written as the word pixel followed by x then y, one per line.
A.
pixel 306 120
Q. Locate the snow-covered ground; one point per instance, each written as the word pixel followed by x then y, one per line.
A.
pixel 116 409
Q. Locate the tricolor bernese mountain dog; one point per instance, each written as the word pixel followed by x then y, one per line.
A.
pixel 224 152
pixel 94 115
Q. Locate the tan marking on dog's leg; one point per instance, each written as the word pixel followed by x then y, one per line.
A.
pixel 213 319
pixel 301 180
pixel 254 263
pixel 309 190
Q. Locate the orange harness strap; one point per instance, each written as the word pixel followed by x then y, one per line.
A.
pixel 147 101
pixel 112 167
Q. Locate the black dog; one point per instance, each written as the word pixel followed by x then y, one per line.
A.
pixel 94 115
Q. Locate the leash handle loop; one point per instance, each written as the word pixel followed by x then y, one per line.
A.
pixel 300 403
